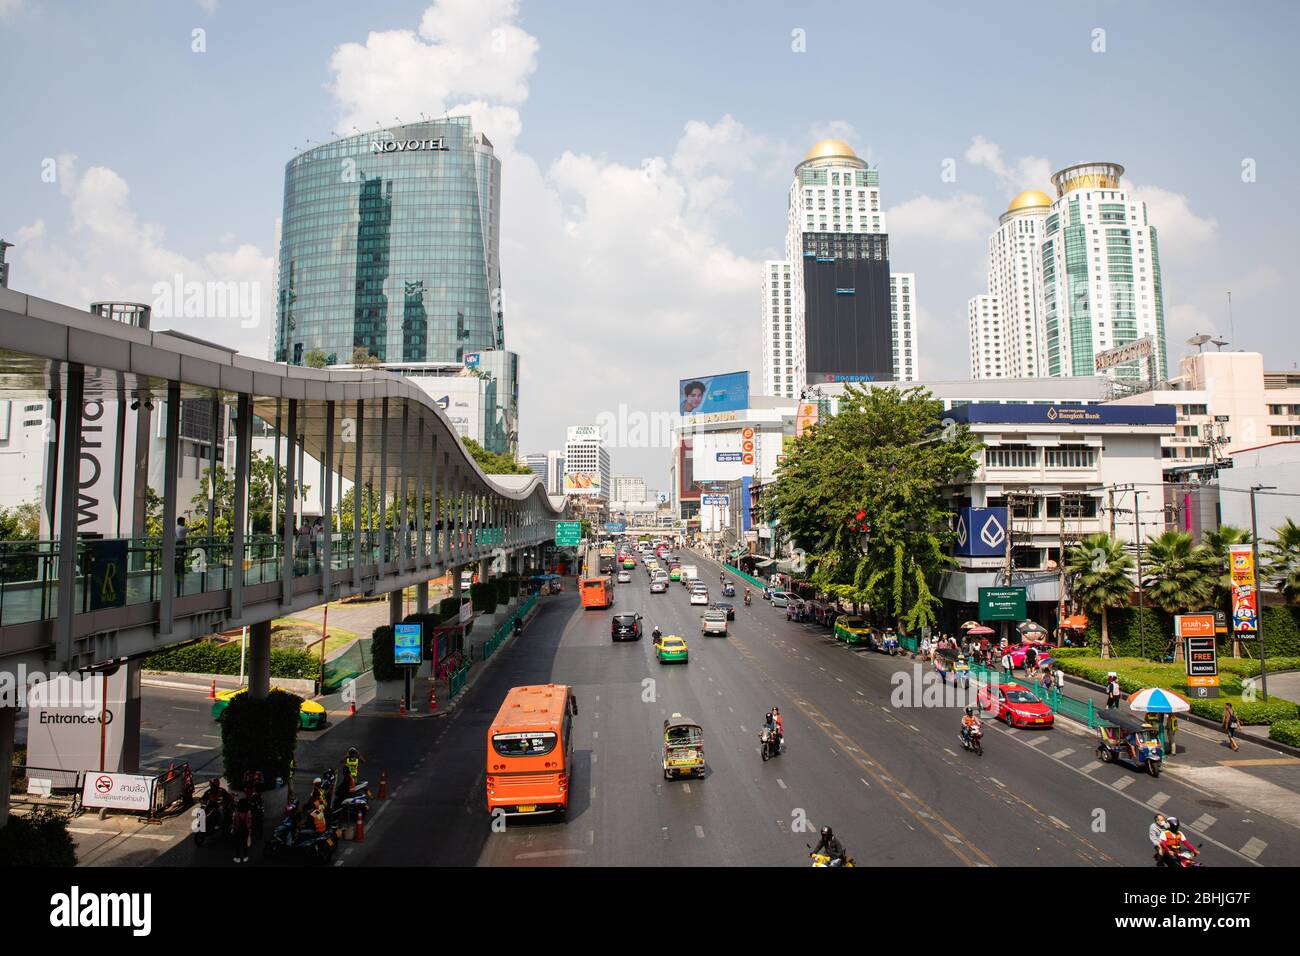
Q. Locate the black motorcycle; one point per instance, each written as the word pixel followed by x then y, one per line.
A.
pixel 292 837
pixel 769 743
pixel 974 742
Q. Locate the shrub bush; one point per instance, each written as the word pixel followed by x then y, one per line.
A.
pixel 1285 732
pixel 1248 711
pixel 1126 637
pixel 40 838
pixel 484 595
pixel 209 657
pixel 381 649
pixel 260 735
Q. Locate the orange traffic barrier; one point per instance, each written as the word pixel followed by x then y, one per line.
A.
pixel 361 829
pixel 212 694
pixel 352 708
pixel 433 699
pixel 383 784
pixel 401 706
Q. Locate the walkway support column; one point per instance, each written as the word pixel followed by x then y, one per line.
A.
pixel 358 489
pixel 290 499
pixel 8 717
pixel 69 473
pixel 171 463
pixel 327 507
pixel 243 439
pixel 395 609
pixel 259 658
pixel 422 597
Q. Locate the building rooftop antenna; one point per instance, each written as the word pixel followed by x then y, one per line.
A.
pixel 1199 341
pixel 1220 343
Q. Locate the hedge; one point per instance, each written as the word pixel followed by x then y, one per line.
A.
pixel 1249 666
pixel 260 734
pixel 381 649
pixel 40 838
pixel 484 595
pixel 1285 732
pixel 1248 711
pixel 1281 632
pixel 209 657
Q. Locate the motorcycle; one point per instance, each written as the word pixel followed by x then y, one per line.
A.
pixel 1182 858
pixel 747 599
pixel 973 741
pixel 823 859
pixel 351 809
pixel 288 839
pixel 769 743
pixel 215 818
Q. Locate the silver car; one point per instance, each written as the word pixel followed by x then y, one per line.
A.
pixel 782 598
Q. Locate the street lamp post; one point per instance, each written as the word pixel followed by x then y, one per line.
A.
pixel 1259 590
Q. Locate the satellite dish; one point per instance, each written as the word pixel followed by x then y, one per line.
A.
pixel 1199 341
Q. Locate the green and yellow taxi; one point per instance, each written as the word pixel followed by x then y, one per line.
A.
pixel 852 630
pixel 674 574
pixel 311 715
pixel 629 563
pixel 672 648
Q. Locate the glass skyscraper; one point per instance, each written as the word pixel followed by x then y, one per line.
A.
pixel 390 243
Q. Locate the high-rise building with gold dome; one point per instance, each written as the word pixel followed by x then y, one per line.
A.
pixel 832 312
pixel 1069 277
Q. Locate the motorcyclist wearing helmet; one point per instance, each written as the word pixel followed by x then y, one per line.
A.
pixel 970 723
pixel 747 594
pixel 1173 843
pixel 352 763
pixel 830 845
pixel 656 634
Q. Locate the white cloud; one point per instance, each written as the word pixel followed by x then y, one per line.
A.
pixel 1029 172
pixel 1182 233
pixel 10 7
pixel 464 50
pixel 960 218
pixel 109 253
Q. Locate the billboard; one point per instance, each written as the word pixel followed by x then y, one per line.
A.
pixel 806 418
pixel 724 456
pixel 713 393
pixel 583 483
pixel 687 487
pixel 999 414
pixel 1138 349
pixel 583 433
pixel 1002 604
pixel 1245 600
pixel 461 397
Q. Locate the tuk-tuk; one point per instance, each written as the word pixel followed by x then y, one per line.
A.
pixel 728 590
pixel 683 748
pixel 961 670
pixel 1128 740
pixel 885 640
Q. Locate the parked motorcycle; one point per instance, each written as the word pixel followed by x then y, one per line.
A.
pixel 301 839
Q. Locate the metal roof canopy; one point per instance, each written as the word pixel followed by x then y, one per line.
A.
pixel 38 339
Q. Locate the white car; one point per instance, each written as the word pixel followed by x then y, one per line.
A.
pixel 700 595
pixel 624 577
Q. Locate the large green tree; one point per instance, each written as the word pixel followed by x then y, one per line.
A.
pixel 494 463
pixel 861 494
pixel 21 522
pixel 1281 561
pixel 1178 574
pixel 1099 570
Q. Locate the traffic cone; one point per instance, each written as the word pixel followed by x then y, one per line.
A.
pixel 401 707
pixel 433 699
pixel 352 708
pixel 383 784
pixel 212 693
pixel 361 829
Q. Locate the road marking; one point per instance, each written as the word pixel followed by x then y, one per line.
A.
pixel 947 751
pixel 781 783
pixel 595 757
pixel 194 746
pixel 993 780
pixel 1123 783
pixel 864 782
pixel 1259 762
pixel 1090 766
pixel 1061 754
pixel 591 837
pixel 192 710
pixel 914 727
pixel 686 788
pixel 665 832
pixel 699 832
pixel 1011 730
pixel 90 831
pixel 1059 822
pixel 593 791
pixel 595 734
pixel 1035 741
pixel 1158 800
pixel 1253 848
pixel 1204 822
pixel 860 694
pixel 539 854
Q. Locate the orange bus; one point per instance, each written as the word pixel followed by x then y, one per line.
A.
pixel 530 751
pixel 597 592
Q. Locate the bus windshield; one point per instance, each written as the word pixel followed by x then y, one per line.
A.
pixel 532 743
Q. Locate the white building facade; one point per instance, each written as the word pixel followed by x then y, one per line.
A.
pixel 586 463
pixel 902 314
pixel 783 355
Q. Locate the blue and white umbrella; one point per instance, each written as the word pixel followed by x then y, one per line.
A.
pixel 1156 700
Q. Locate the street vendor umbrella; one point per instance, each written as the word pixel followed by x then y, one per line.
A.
pixel 1156 700
pixel 981 631
pixel 967 625
pixel 1029 627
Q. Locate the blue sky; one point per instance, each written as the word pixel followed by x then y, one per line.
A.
pixel 631 240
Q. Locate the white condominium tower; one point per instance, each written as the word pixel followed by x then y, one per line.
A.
pixel 1068 278
pixel 902 319
pixel 783 358
pixel 1100 273
pixel 831 311
pixel 1008 320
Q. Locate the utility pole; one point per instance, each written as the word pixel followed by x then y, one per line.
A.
pixel 1137 538
pixel 1259 590
pixel 1068 499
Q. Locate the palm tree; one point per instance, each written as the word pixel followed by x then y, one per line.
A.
pixel 1099 568
pixel 1282 561
pixel 1218 541
pixel 1178 573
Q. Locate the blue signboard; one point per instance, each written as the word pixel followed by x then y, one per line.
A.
pixel 406 644
pixel 746 503
pixel 714 393
pixel 615 527
pixel 981 532
pixel 997 413
pixel 472 360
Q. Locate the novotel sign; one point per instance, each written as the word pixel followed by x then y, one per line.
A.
pixel 405 145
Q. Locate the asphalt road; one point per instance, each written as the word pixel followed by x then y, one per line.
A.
pixel 893 781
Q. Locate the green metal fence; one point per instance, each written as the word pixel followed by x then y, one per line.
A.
pixel 741 574
pixel 499 636
pixel 1084 711
pixel 352 663
pixel 456 682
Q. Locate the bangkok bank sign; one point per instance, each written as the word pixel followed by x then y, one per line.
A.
pixel 405 145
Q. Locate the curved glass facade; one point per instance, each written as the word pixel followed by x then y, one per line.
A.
pixel 389 242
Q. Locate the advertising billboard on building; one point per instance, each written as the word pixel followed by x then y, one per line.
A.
pixel 724 456
pixel 687 487
pixel 583 483
pixel 460 396
pixel 713 393
pixel 806 418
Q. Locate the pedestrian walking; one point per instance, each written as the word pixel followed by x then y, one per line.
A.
pixel 925 647
pixel 1230 724
pixel 1112 691
pixel 1008 664
pixel 180 555
pixel 1058 677
pixel 242 829
pixel 1031 660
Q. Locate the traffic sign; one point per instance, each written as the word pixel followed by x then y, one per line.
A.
pixel 568 533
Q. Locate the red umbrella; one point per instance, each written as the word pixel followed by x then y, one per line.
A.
pixel 981 630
